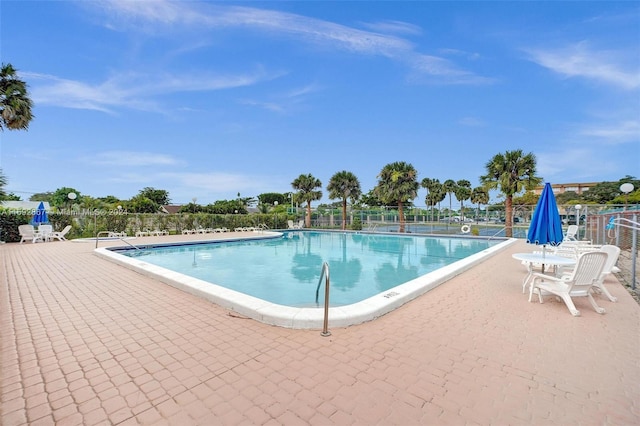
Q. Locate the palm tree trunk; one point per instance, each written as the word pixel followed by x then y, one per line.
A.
pixel 344 214
pixel 508 216
pixel 401 215
pixel 308 218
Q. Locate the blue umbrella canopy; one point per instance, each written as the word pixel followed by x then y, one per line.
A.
pixel 546 226
pixel 40 216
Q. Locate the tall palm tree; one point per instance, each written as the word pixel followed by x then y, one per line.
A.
pixel 15 104
pixel 479 195
pixel 510 173
pixel 437 196
pixel 397 182
pixel 307 186
pixel 432 186
pixel 449 187
pixel 463 192
pixel 344 185
pixel 3 182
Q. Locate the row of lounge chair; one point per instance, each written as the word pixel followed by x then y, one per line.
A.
pixel 44 233
pixel 298 225
pixel 154 233
pixel 260 227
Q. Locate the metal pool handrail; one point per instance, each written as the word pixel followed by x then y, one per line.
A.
pixel 324 273
pixel 121 239
pixel 499 231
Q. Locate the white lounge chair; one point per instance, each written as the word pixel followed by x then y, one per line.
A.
pixel 292 225
pixel 28 233
pixel 60 235
pixel 572 232
pixel 577 284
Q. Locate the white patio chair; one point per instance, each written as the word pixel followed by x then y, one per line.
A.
pixel 28 233
pixel 45 231
pixel 577 284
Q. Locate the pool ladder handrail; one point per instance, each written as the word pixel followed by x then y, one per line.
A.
pixel 504 228
pixel 327 281
pixel 121 239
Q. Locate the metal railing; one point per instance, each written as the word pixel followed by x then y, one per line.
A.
pixel 108 233
pixel 634 225
pixel 324 273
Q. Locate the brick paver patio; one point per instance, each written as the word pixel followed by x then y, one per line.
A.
pixel 87 342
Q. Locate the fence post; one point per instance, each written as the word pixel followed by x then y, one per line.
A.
pixel 634 252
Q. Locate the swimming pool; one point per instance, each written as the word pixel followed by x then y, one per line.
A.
pixel 273 278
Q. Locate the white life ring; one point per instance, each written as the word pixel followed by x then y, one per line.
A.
pixel 465 229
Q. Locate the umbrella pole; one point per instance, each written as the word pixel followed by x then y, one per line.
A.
pixel 544 246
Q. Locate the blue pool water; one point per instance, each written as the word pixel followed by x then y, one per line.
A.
pixel 286 270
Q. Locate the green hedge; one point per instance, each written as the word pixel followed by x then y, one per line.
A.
pixel 89 223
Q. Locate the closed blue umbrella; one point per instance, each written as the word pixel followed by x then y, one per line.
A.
pixel 40 216
pixel 546 225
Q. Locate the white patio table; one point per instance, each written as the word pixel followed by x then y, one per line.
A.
pixel 539 258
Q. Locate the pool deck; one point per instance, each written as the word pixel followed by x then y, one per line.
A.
pixel 85 341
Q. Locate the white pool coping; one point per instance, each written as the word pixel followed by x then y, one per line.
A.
pixel 302 318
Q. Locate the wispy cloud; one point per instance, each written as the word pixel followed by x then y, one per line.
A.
pixel 471 122
pixel 132 90
pixel 621 132
pixel 132 158
pixel 580 60
pixel 434 69
pixel 575 164
pixel 381 42
pixel 141 90
pixel 390 26
pixel 286 102
pixel 269 106
pixel 472 56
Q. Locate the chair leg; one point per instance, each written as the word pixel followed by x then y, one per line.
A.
pixel 572 308
pixel 595 305
pixel 532 289
pixel 603 289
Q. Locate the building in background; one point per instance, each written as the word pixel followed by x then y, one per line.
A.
pixel 560 188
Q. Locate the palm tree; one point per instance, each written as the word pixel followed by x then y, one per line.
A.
pixel 510 173
pixel 3 182
pixel 463 192
pixel 432 186
pixel 449 187
pixel 479 195
pixel 344 185
pixel 15 104
pixel 397 182
pixel 307 185
pixel 438 195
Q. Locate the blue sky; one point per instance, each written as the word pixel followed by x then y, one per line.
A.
pixel 208 99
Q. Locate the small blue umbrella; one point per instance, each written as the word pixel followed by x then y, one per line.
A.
pixel 546 225
pixel 40 216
